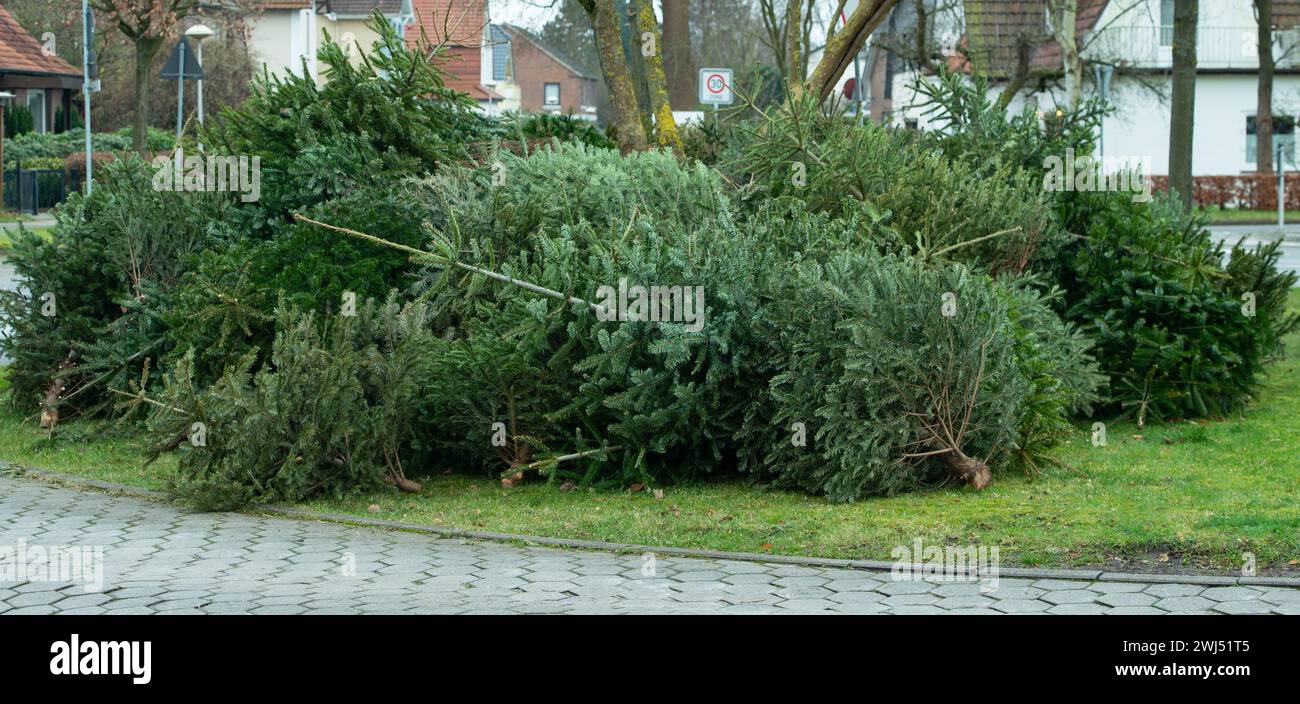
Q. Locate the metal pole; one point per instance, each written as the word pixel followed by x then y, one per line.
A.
pixel 200 83
pixel 86 37
pixel 1281 188
pixel 1101 137
pixel 180 92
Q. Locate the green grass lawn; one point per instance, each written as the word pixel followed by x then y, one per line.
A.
pixel 1184 494
pixel 7 238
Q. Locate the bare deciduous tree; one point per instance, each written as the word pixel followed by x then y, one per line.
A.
pixel 647 26
pixel 147 24
pixel 1183 108
pixel 618 79
pixel 1264 104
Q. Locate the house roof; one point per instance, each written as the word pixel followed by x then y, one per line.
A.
pixel 363 7
pixel 559 57
pixel 995 28
pixel 21 53
pixel 1286 13
pixel 1049 55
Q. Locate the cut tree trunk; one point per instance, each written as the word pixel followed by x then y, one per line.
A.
pixel 969 470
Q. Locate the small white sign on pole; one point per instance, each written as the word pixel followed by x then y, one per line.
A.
pixel 715 86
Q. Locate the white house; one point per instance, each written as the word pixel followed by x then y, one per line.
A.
pixel 1135 37
pixel 286 33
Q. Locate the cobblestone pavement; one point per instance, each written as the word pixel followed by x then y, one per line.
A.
pixel 158 558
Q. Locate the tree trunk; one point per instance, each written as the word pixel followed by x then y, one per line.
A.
pixel 775 31
pixel 1183 110
pixel 1019 77
pixel 145 49
pixel 679 60
pixel 969 470
pixel 1264 106
pixel 1066 12
pixel 618 80
pixel 647 31
pixel 794 45
pixel 842 47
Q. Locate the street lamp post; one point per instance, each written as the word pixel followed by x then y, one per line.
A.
pixel 87 85
pixel 198 33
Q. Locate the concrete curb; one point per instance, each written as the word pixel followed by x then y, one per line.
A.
pixel 868 565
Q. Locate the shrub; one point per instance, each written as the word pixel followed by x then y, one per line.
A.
pixel 60 117
pixel 18 121
pixel 58 146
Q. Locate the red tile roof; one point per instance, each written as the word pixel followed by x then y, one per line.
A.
pixel 1286 13
pixel 21 53
pixel 1049 54
pixel 996 28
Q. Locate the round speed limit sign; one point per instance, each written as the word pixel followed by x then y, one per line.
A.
pixel 715 86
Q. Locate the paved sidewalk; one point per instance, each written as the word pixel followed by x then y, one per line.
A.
pixel 161 559
pixel 32 222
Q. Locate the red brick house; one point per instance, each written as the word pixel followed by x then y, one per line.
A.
pixel 461 28
pixel 42 83
pixel 548 81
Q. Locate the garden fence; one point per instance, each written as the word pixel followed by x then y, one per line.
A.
pixel 34 190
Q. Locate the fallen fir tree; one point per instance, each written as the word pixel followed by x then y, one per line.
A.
pixel 904 371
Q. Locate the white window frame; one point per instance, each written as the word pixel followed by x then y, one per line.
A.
pixel 546 102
